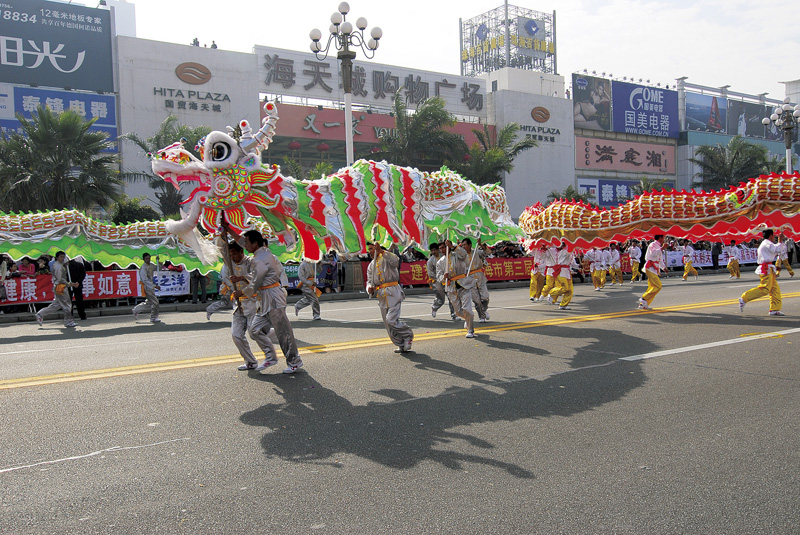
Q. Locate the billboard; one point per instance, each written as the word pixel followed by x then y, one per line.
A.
pixel 625 156
pixel 612 192
pixel 24 100
pixel 744 118
pixel 706 113
pixel 55 45
pixel 648 111
pixel 591 98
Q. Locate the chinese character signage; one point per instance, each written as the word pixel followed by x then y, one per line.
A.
pixel 648 111
pixel 706 113
pixel 171 283
pixel 285 72
pixel 592 102
pixel 55 45
pixel 24 100
pixel 615 155
pixel 96 285
pixel 613 192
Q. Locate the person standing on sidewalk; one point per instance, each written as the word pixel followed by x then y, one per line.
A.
pixel 768 251
pixel 62 300
pixel 147 278
pixel 307 283
pixel 383 281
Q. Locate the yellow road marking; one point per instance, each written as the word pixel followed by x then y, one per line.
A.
pixel 22 382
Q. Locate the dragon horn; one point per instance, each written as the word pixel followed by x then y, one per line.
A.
pixel 263 137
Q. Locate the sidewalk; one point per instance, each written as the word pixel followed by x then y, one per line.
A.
pixel 293 298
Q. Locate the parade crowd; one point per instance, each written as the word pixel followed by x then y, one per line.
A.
pixel 254 286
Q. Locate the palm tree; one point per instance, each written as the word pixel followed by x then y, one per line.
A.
pixel 169 131
pixel 723 166
pixel 570 194
pixel 420 139
pixel 647 184
pixel 57 163
pixel 493 154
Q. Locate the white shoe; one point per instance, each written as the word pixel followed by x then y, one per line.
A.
pixel 433 313
pixel 294 368
pixel 597 289
pixel 741 304
pixel 549 300
pixel 563 307
pixel 315 318
pixel 72 324
pixel 155 320
pixel 470 335
pixel 642 304
pixel 486 317
pixel 39 320
pixel 776 313
pixel 481 320
pixel 266 364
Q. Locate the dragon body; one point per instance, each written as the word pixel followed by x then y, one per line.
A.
pixel 737 213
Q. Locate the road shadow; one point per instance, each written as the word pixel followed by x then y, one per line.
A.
pixel 314 424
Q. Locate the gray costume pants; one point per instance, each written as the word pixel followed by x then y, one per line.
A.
pixel 461 299
pixel 309 298
pixel 240 324
pixel 221 304
pixel 480 294
pixel 61 303
pixel 390 300
pixel 440 297
pixel 152 302
pixel 275 319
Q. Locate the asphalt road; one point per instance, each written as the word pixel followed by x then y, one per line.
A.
pixel 600 419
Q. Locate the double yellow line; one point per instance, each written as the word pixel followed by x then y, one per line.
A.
pixel 23 382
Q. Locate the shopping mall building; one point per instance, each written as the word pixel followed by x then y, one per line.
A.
pixel 593 133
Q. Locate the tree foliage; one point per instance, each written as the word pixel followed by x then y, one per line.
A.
pixel 420 139
pixel 493 154
pixel 130 210
pixel 169 131
pixel 570 193
pixel 57 163
pixel 722 166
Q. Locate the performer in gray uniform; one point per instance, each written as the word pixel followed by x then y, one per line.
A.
pixel 453 273
pixel 383 281
pixel 62 300
pixel 307 284
pixel 439 295
pixel 147 278
pixel 244 309
pixel 480 292
pixel 265 283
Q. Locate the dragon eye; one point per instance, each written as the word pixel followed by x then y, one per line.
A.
pixel 220 151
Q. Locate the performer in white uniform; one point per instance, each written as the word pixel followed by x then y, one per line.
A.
pixel 768 251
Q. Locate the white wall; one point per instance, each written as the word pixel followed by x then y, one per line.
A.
pixel 551 165
pixel 146 67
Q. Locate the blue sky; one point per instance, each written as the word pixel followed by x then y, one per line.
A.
pixel 713 42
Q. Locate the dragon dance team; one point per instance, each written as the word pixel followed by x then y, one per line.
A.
pixel 254 286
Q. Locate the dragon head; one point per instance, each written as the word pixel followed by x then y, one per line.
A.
pixel 228 178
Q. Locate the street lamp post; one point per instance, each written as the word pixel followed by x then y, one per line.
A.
pixel 786 118
pixel 344 38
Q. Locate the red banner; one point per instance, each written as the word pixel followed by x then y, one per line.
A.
pixel 499 269
pixel 97 285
